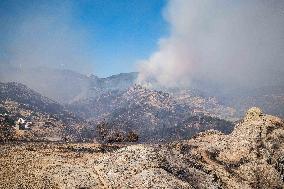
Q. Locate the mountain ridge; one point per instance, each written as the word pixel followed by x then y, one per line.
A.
pixel 67 87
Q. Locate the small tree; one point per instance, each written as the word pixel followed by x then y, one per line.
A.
pixel 102 131
pixel 115 137
pixel 132 137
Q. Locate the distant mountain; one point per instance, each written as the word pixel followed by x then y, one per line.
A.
pixel 270 99
pixel 118 82
pixel 65 86
pixel 151 114
pixel 28 98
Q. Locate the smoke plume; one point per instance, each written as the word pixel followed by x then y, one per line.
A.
pixel 226 42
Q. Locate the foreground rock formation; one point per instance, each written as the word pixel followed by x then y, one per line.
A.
pixel 252 156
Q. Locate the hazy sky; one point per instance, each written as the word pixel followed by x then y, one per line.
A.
pixel 170 42
pixel 106 36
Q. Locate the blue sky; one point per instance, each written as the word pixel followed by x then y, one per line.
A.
pixel 118 33
pixel 125 31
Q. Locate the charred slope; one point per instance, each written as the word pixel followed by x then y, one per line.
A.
pixel 153 115
pixel 116 131
pixel 191 126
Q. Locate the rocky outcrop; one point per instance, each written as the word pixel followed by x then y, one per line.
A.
pixel 250 157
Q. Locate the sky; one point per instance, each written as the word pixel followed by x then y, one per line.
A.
pixel 103 37
pixel 169 42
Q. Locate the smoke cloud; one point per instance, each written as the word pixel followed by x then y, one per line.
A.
pixel 44 34
pixel 226 42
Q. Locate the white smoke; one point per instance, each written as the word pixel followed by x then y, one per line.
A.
pixel 223 41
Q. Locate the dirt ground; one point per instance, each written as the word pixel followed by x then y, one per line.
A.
pixel 51 165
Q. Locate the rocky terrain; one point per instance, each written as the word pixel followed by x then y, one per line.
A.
pixel 250 157
pixel 42 118
pixel 138 137
pixel 153 115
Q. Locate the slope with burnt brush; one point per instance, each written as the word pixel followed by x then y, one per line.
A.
pixel 191 126
pixel 153 115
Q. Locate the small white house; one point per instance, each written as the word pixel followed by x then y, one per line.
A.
pixel 27 125
pixel 23 124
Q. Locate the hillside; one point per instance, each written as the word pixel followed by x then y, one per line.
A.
pixel 150 115
pixel 250 157
pixel 47 119
pixel 153 115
